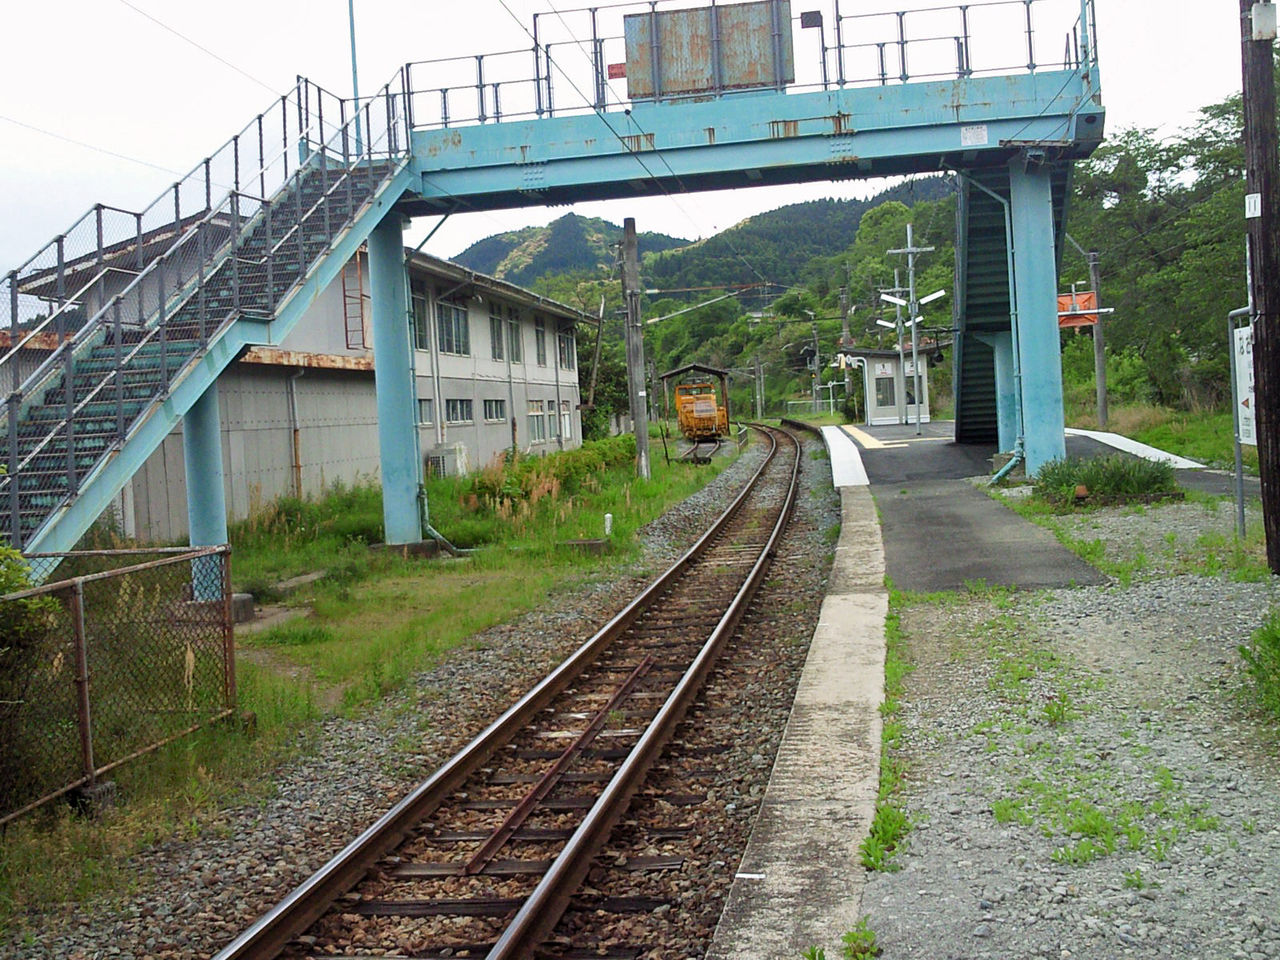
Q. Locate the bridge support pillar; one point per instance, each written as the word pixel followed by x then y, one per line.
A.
pixel 393 377
pixel 1001 345
pixel 1036 284
pixel 206 499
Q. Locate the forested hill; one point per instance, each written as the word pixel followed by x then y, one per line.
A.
pixel 567 245
pixel 780 243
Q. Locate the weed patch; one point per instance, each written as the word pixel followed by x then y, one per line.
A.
pixel 1261 656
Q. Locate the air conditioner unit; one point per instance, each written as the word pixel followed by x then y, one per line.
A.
pixel 447 461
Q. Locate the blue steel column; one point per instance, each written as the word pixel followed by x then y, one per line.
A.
pixel 206 500
pixel 1001 345
pixel 1036 282
pixel 393 376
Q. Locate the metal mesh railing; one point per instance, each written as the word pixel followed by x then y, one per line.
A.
pixel 242 255
pixel 128 651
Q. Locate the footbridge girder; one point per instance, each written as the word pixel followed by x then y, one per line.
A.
pixel 755 140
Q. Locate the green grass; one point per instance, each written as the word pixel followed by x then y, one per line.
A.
pixel 1112 476
pixel 1261 657
pixel 373 622
pixel 890 823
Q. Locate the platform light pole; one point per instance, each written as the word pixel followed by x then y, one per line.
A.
pixel 894 295
pixel 355 77
pixel 913 308
pixel 1262 211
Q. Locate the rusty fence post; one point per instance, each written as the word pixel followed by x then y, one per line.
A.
pixel 228 633
pixel 82 681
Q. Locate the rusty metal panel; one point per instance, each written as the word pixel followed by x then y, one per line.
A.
pixel 739 46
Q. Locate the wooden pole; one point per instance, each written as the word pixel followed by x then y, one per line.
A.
pixel 1262 163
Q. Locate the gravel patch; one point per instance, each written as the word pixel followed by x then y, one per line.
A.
pixel 196 894
pixel 1084 778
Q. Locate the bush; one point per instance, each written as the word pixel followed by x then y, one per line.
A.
pixel 25 626
pixel 1113 476
pixel 1262 663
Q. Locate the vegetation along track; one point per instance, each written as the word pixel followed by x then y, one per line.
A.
pixel 485 857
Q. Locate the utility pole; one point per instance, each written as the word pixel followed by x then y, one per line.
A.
pixel 635 345
pixel 1262 210
pixel 914 310
pixel 896 291
pixel 758 383
pixel 817 368
pixel 1099 346
pixel 846 341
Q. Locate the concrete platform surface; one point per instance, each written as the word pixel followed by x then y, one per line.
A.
pixel 801 879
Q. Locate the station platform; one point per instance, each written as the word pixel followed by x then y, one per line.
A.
pixel 800 882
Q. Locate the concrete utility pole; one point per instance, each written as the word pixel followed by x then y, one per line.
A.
pixel 914 310
pixel 758 384
pixel 896 291
pixel 817 368
pixel 636 397
pixel 846 341
pixel 1262 212
pixel 1099 346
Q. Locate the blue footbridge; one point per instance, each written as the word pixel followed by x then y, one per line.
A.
pixel 136 313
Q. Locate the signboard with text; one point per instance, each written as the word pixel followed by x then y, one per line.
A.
pixel 1242 356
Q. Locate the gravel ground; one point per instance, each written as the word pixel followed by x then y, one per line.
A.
pixel 196 894
pixel 1083 777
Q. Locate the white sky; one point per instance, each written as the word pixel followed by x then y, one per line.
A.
pixel 100 72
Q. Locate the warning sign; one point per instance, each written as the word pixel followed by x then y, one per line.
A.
pixel 1242 356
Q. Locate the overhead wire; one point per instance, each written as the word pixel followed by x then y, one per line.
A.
pixel 199 46
pixel 88 146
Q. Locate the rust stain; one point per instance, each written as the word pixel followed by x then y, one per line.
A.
pixel 784 129
pixel 41 341
pixel 273 356
pixel 711 134
pixel 842 123
pixel 637 142
pixel 524 153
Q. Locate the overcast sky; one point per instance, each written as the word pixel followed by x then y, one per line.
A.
pixel 144 105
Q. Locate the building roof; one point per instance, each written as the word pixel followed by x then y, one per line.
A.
pixel 699 367
pixel 479 282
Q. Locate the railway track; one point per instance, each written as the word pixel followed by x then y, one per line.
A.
pixel 484 858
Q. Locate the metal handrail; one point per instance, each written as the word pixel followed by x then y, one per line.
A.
pixel 194 267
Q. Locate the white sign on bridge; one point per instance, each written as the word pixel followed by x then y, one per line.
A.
pixel 1242 357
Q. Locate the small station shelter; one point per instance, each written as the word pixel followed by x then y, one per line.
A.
pixel 889 383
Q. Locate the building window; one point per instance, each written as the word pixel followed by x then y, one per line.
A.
pixel 457 411
pixel 566 420
pixel 421 326
pixel 885 396
pixel 495 335
pixel 453 328
pixel 568 353
pixel 495 409
pixel 537 423
pixel 552 422
pixel 515 340
pixel 540 341
pixel 426 411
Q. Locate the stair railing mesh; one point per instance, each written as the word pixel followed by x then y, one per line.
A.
pixel 105 317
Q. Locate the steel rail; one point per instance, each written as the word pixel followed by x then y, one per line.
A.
pixel 310 900
pixel 543 908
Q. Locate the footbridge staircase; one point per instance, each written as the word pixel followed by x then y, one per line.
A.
pixel 144 309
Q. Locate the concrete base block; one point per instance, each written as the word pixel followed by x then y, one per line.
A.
pixel 241 607
pixel 422 548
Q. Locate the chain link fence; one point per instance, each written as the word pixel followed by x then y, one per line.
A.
pixel 128 650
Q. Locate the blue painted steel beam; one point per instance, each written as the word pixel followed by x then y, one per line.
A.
pixel 753 140
pixel 1036 282
pixel 206 501
pixel 64 528
pixel 393 375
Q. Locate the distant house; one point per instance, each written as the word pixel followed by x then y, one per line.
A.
pixel 495 371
